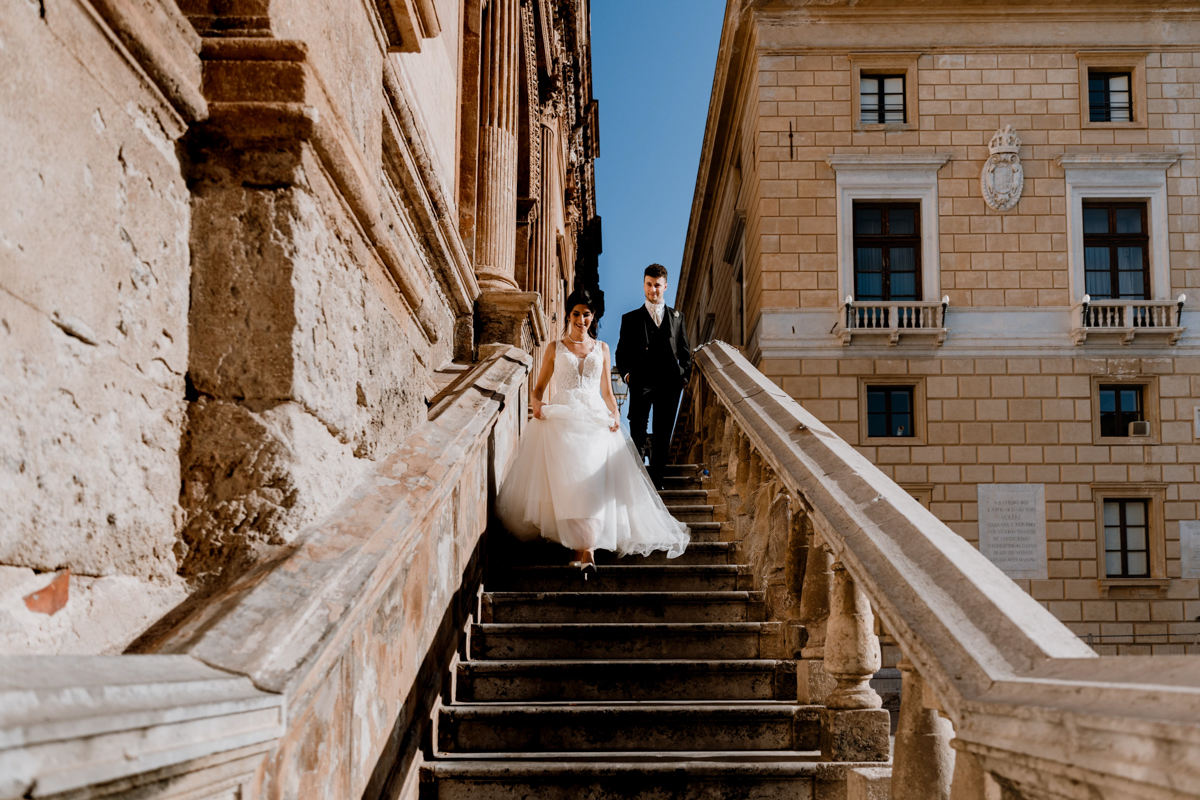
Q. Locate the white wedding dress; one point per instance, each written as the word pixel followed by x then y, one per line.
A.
pixel 574 481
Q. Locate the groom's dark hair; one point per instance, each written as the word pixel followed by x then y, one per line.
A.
pixel 656 271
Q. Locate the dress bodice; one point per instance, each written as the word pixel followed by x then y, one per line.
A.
pixel 572 373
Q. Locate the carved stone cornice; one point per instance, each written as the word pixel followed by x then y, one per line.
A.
pixel 262 91
pixel 163 44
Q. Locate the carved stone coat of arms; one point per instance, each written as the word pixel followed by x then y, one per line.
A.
pixel 1002 179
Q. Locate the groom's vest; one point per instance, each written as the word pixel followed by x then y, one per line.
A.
pixel 660 356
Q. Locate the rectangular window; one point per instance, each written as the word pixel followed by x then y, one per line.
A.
pixel 1126 539
pixel 887 251
pixel 1119 406
pixel 1116 250
pixel 881 99
pixel 889 411
pixel 1110 96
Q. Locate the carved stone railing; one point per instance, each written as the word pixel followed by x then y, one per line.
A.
pixel 892 320
pixel 1035 713
pixel 1127 320
pixel 311 677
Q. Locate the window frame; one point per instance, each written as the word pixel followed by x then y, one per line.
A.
pixel 1123 549
pixel 1109 63
pixel 1113 241
pixel 1156 541
pixel 871 64
pixel 1150 408
pixel 1107 108
pixel 919 417
pixel 1119 176
pixel 881 94
pixel 886 241
pixel 1138 414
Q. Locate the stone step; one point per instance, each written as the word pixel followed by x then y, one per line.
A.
pixel 727 578
pixel 515 728
pixel 705 531
pixel 681 470
pixel 684 640
pixel 682 481
pixel 683 497
pixel 617 681
pixel 549 607
pixel 801 777
pixel 696 553
pixel 692 513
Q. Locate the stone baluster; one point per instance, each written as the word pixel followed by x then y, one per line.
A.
pixel 497 232
pixel 971 781
pixel 813 684
pixel 853 726
pixel 923 761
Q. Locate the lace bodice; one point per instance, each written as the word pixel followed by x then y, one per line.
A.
pixel 572 373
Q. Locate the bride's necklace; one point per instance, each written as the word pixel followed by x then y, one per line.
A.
pixel 576 341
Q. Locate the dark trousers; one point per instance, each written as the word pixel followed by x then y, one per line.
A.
pixel 664 401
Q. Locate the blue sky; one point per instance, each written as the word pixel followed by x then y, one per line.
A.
pixel 652 71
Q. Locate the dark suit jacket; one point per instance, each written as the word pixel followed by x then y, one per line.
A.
pixel 633 346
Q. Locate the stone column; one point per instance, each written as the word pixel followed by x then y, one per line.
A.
pixel 853 726
pixel 923 762
pixel 506 314
pixel 495 250
pixel 813 684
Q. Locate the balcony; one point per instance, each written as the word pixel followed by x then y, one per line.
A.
pixel 1124 321
pixel 915 321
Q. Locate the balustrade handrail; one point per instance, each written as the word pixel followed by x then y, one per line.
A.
pixel 1010 676
pixel 1109 313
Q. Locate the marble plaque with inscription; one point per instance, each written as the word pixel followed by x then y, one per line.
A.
pixel 1012 527
pixel 1189 549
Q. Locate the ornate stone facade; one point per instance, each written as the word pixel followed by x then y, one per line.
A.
pixel 238 241
pixel 995 323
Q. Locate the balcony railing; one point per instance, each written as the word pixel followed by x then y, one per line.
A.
pixel 913 319
pixel 999 698
pixel 1127 320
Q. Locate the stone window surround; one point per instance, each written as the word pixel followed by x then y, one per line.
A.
pixel 921 492
pixel 1155 494
pixel 1150 408
pixel 885 64
pixel 912 177
pixel 1120 61
pixel 1125 176
pixel 919 412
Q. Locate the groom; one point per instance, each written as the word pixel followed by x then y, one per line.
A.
pixel 654 358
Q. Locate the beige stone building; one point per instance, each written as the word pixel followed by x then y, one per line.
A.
pixel 966 235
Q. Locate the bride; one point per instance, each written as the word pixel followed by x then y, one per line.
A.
pixel 576 478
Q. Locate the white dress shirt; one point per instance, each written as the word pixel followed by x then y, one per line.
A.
pixel 656 312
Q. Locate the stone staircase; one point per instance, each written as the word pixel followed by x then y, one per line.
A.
pixel 652 679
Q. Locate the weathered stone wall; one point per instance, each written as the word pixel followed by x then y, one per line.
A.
pixel 303 372
pixel 94 230
pixel 251 319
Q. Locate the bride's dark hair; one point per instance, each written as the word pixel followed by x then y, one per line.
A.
pixel 581 297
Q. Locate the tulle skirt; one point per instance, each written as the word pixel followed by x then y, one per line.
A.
pixel 574 481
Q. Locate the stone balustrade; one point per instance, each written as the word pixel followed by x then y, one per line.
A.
pixel 889 321
pixel 1124 321
pixel 999 698
pixel 311 677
